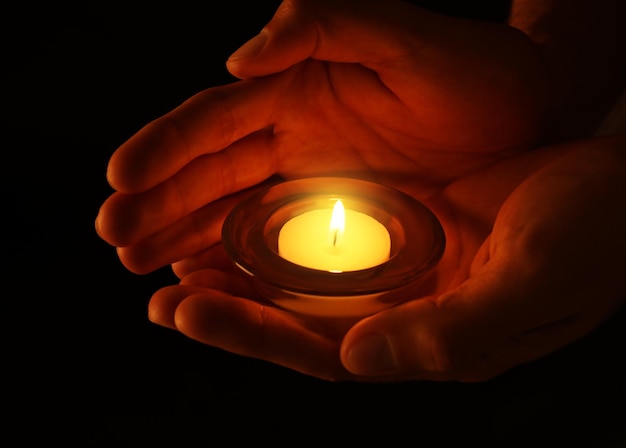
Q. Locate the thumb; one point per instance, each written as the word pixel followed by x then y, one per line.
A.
pixel 366 32
pixel 427 339
pixel 473 333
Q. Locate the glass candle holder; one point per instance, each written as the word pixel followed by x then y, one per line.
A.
pixel 412 242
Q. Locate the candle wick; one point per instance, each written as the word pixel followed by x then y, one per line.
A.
pixel 335 237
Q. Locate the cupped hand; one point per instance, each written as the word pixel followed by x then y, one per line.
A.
pixel 377 90
pixel 534 261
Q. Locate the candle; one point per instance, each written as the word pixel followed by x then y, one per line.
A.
pixel 334 240
pixel 291 245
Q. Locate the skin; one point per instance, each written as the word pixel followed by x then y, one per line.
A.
pixel 312 101
pixel 580 40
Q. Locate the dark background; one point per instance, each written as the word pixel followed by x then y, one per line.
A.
pixel 81 361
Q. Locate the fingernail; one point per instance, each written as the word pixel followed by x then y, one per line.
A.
pixel 250 48
pixel 371 355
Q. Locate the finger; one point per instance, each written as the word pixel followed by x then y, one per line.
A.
pixel 124 219
pixel 382 36
pixel 188 236
pixel 250 329
pixel 232 283
pixel 214 257
pixel 163 303
pixel 370 32
pixel 206 123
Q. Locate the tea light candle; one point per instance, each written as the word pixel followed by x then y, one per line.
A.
pixel 333 247
pixel 334 240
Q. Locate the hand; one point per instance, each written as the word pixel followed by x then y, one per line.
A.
pixel 312 102
pixel 380 90
pixel 535 260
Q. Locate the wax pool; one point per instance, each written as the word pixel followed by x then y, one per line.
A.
pixel 315 239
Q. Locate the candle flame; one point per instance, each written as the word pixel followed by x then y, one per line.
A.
pixel 337 223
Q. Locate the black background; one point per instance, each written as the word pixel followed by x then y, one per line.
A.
pixel 81 361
